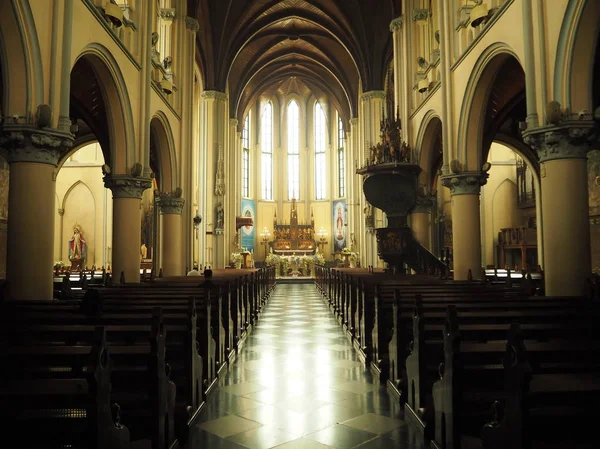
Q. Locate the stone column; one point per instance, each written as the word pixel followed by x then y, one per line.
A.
pixel 33 155
pixel 127 232
pixel 420 219
pixel 562 150
pixel 466 226
pixel 170 207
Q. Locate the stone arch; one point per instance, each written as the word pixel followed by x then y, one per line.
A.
pixel 79 194
pixel 579 37
pixel 19 44
pixel 427 142
pixel 163 159
pixel 475 102
pixel 119 117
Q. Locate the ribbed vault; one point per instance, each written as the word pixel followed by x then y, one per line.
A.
pixel 334 48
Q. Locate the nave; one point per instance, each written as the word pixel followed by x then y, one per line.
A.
pixel 298 384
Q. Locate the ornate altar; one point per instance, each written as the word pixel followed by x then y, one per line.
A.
pixel 294 238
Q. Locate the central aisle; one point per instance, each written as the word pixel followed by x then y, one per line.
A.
pixel 297 383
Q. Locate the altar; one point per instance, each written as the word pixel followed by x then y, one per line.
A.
pixel 294 239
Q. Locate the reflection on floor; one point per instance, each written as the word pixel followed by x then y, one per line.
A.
pixel 298 384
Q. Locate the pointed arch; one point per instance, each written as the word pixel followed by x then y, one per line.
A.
pixel 579 37
pixel 428 146
pixel 119 115
pixel 19 45
pixel 475 103
pixel 162 148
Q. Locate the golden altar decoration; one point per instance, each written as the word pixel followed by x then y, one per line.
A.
pixel 294 238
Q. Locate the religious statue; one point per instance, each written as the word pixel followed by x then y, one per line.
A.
pixel 77 245
pixel 339 223
pixel 144 251
pixel 220 215
pixel 368 210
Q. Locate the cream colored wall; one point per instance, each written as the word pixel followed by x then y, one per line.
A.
pixel 498 200
pixel 83 199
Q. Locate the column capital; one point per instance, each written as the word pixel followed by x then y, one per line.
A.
pixel 192 24
pixel 468 183
pixel 425 203
pixel 571 139
pixel 214 94
pixel 28 143
pixel 233 122
pixel 170 203
pixel 354 121
pixel 373 94
pixel 126 186
pixel 396 24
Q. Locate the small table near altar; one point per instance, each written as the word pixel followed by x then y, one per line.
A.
pixel 246 259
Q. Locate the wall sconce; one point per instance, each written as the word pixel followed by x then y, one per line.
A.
pixel 114 13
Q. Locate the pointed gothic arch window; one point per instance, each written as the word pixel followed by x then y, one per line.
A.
pixel 341 160
pixel 246 157
pixel 320 159
pixel 266 144
pixel 293 146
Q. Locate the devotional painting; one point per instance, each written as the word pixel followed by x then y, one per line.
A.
pixel 247 232
pixel 339 226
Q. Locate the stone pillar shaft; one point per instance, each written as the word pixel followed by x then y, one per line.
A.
pixel 562 150
pixel 172 251
pixel 30 241
pixel 33 154
pixel 127 233
pixel 466 222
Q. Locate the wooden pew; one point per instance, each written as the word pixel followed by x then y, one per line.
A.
pixel 43 406
pixel 472 375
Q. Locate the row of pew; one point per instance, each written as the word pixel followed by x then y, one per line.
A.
pixel 125 366
pixel 475 365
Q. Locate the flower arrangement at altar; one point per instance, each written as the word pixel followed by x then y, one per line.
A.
pixel 235 260
pixel 352 257
pixel 294 265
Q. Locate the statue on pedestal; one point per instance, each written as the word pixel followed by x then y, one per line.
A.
pixel 77 246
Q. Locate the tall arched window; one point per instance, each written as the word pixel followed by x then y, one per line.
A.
pixel 293 144
pixel 341 160
pixel 320 161
pixel 266 144
pixel 246 157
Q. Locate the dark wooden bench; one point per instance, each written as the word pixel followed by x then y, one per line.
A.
pixel 60 397
pixel 473 375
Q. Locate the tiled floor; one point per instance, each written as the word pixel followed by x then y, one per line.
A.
pixel 298 384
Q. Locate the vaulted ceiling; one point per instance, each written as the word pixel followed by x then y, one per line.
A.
pixel 333 48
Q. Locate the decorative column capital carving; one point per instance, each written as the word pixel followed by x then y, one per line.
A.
pixel 468 183
pixel 192 24
pixel 396 24
pixel 420 15
pixel 233 122
pixel 214 94
pixel 373 94
pixel 170 203
pixel 126 186
pixel 571 139
pixel 28 143
pixel 167 14
pixel 354 121
pixel 425 203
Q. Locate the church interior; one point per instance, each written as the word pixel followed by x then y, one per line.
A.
pixel 299 223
